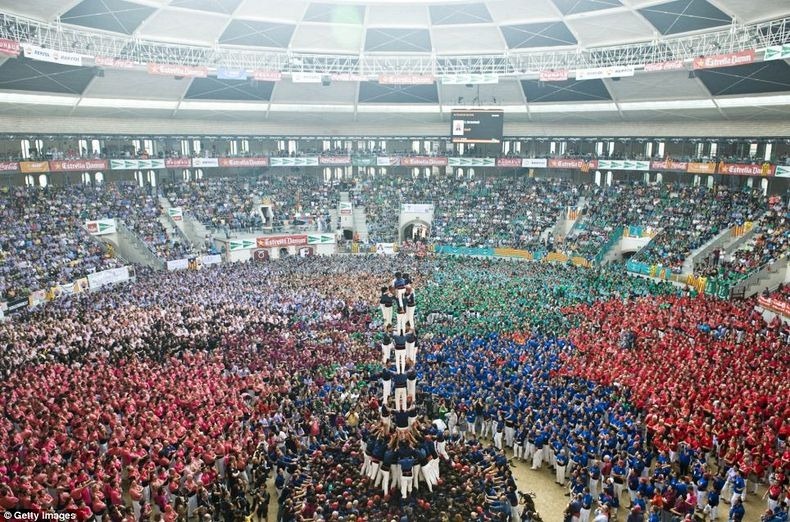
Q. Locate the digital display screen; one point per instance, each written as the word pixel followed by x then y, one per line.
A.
pixel 476 126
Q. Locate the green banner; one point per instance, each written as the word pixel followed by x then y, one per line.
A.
pixel 777 52
pixel 320 239
pixel 242 244
pixel 363 161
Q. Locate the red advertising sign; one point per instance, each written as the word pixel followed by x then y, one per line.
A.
pixel 114 63
pixel 334 160
pixel 244 162
pixel 281 241
pixel 166 69
pixel 508 162
pixel 674 65
pixel 572 164
pixel 740 169
pixel 267 76
pixel 9 166
pixel 9 47
pixel 406 79
pixel 77 165
pixel 423 161
pixel 725 60
pixel 559 75
pixel 702 168
pixel 681 166
pixel 177 163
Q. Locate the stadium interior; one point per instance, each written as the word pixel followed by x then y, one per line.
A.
pixel 395 260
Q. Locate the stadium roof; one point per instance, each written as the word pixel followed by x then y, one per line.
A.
pixel 757 90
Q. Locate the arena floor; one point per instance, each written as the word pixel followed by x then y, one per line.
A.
pixel 550 499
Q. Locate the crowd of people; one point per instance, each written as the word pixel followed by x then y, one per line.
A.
pixel 44 240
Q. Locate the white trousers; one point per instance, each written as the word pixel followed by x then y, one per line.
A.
pixel 411 351
pixel 498 440
pixel 411 388
pixel 510 434
pixel 386 352
pixel 384 479
pixel 386 313
pixel 537 459
pixel 560 474
pixel 401 323
pixel 406 483
pixel 400 360
pixel 400 399
pixel 386 390
pixel 410 315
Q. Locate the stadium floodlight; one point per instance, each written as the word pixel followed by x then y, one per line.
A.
pixel 38 99
pixel 128 103
pixel 705 103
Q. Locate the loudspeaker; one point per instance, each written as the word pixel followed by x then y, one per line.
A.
pixel 348 235
pixel 326 80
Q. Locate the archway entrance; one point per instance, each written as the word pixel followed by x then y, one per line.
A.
pixel 415 231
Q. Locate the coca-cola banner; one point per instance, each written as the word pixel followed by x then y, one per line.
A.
pixel 178 163
pixel 9 166
pixel 281 241
pixel 559 75
pixel 244 162
pixel 77 165
pixel 338 161
pixel 509 162
pixel 423 161
pixel 669 165
pixel 166 69
pixel 740 169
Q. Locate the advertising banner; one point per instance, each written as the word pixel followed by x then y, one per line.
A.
pixel 619 71
pixel 9 47
pixel 320 239
pixel 423 161
pixel 534 163
pixel 114 63
pixel 777 52
pixel 417 208
pixel 740 169
pixel 303 77
pixel 9 166
pixel 345 208
pixel 702 168
pixel 623 165
pixel 187 71
pixel 782 171
pixel 347 77
pixel 281 241
pixel 213 259
pixel 77 165
pixel 674 65
pixel 474 79
pixel 406 79
pixel 137 164
pixel 77 287
pixel 244 163
pixel 387 161
pixel 267 76
pixel 224 73
pixel 560 75
pixel 669 165
pixel 725 60
pixel 363 161
pixel 571 164
pixel 338 161
pixel 178 163
pixel 205 162
pixel 108 277
pixel 176 213
pixel 311 161
pixel 387 249
pixel 471 162
pixel 509 162
pixel 33 166
pixel 36 298
pixel 51 55
pixel 178 264
pixel 99 227
pixel 241 244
